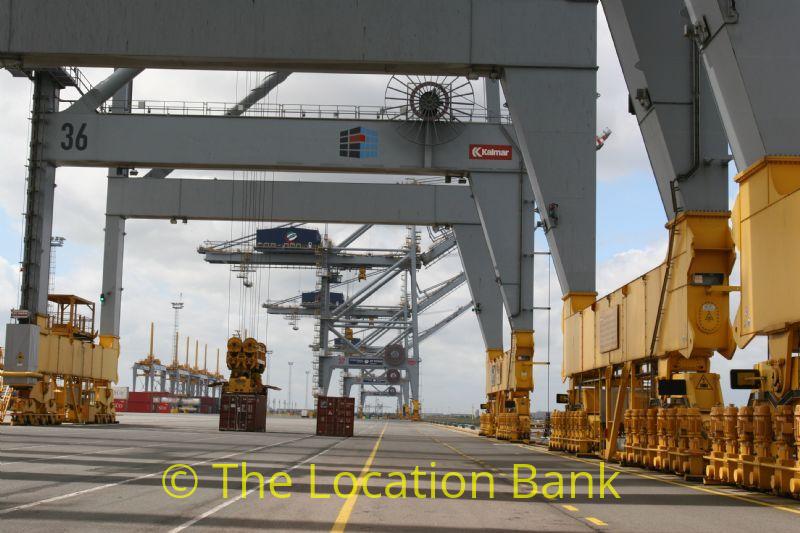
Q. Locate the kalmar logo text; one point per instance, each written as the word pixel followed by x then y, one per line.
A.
pixel 490 151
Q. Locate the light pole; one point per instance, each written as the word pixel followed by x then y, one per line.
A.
pixel 290 383
pixel 305 398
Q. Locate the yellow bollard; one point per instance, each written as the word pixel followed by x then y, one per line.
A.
pixel 783 432
pixel 662 456
pixel 672 440
pixel 761 476
pixel 693 463
pixel 794 483
pixel 717 462
pixel 652 437
pixel 731 415
pixel 744 428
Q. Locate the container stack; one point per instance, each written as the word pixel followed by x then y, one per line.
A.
pixel 243 406
pixel 335 416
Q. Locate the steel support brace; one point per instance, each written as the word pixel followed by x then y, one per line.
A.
pixel 506 209
pixel 749 49
pixel 671 95
pixel 114 239
pixel 284 201
pixel 41 185
pixel 554 114
pixel 301 145
pixel 481 279
pixel 619 407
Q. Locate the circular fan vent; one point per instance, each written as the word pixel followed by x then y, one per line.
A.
pixel 393 375
pixel 429 110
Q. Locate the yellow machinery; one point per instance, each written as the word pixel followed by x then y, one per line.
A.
pixel 71 380
pixel 151 359
pixel 642 353
pixel 509 382
pixel 416 410
pixel 247 361
pixel 693 433
pixel 758 446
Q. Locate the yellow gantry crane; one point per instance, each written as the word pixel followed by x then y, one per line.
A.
pixel 509 382
pixel 73 375
pixel 638 360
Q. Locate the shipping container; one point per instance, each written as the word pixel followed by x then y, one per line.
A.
pixel 120 393
pixel 147 402
pixel 314 298
pixel 209 404
pixel 138 407
pixel 335 416
pixel 243 412
pixel 288 238
pixel 339 343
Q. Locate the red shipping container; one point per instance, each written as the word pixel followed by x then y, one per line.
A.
pixel 335 416
pixel 243 412
pixel 139 407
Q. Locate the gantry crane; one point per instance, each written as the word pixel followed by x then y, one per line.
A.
pixel 655 346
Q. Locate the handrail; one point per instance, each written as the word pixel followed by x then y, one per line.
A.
pixel 275 110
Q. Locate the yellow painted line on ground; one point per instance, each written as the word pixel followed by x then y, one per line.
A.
pixel 572 508
pixel 347 508
pixel 701 488
pixel 596 521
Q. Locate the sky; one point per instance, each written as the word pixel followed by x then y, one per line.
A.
pixel 161 259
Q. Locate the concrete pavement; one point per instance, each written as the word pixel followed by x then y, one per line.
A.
pixel 72 478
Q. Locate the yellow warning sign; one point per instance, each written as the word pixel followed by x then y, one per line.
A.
pixel 703 384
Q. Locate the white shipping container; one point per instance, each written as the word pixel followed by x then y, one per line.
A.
pixel 120 393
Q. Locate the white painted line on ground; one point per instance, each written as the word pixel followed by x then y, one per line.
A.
pixel 97 452
pixel 137 478
pixel 226 503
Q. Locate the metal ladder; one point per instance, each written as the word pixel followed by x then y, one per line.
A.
pixel 5 399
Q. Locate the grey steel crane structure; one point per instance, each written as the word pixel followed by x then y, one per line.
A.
pixel 548 79
pixel 378 267
pixel 546 152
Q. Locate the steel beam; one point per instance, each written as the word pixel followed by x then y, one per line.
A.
pixel 104 90
pixel 114 235
pixel 482 282
pixel 446 320
pixel 299 259
pixel 454 36
pixel 282 144
pixel 671 95
pixel 506 209
pixel 358 312
pixel 284 201
pixel 749 49
pixel 355 235
pixel 554 114
pixel 438 250
pixel 259 92
pixel 41 185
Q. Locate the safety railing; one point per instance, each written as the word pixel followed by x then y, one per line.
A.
pixel 275 110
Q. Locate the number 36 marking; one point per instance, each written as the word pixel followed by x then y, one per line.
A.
pixel 72 139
